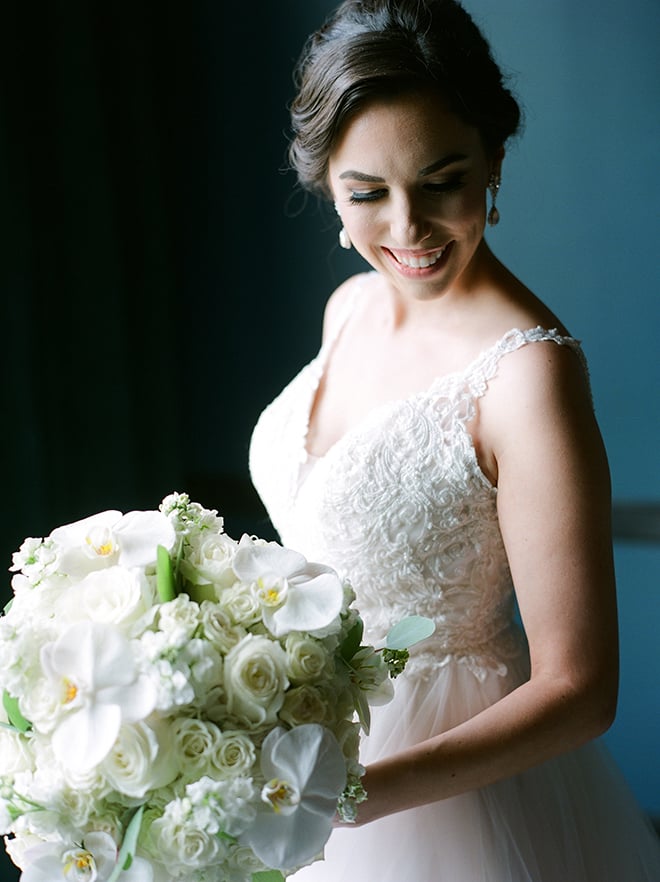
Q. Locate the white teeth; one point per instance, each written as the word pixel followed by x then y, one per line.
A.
pixel 420 262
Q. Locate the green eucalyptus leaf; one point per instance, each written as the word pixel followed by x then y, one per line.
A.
pixel 128 846
pixel 268 876
pixel 409 631
pixel 165 575
pixel 14 714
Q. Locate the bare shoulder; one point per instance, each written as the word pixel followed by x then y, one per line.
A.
pixel 538 414
pixel 544 371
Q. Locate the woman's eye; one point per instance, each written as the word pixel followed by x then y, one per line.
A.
pixel 447 186
pixel 366 196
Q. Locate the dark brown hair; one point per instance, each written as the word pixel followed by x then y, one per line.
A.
pixel 370 49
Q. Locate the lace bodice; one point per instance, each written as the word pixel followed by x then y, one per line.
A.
pixel 401 507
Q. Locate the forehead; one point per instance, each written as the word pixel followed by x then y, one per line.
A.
pixel 411 128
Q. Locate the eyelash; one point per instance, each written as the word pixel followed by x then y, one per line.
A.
pixel 449 186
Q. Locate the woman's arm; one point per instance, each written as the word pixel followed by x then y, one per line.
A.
pixel 537 428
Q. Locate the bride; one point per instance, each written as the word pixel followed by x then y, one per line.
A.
pixel 442 452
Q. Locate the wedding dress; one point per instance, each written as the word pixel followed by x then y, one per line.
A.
pixel 401 506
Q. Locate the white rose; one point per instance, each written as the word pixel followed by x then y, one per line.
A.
pixel 114 595
pixel 140 760
pixel 215 704
pixel 219 628
pixel 303 704
pixel 255 679
pixel 234 754
pixel 194 742
pixel 307 658
pixel 208 560
pixel 241 863
pixel 242 604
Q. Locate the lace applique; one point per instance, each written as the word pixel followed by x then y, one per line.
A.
pixel 401 506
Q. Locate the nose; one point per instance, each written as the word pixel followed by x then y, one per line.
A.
pixel 409 225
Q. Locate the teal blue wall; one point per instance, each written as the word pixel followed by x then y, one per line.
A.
pixel 580 204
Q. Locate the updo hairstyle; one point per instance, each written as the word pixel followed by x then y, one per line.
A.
pixel 370 49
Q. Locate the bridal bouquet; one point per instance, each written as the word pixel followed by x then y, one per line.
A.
pixel 179 704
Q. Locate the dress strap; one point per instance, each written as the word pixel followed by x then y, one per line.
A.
pixel 485 367
pixel 345 312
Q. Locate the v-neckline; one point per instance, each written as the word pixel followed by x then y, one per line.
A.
pixel 320 364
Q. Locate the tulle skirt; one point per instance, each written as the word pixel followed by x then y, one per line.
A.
pixel 572 819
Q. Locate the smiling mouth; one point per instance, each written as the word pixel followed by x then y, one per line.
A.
pixel 418 261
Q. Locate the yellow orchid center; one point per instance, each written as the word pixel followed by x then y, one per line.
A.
pixel 78 864
pixel 70 691
pixel 280 794
pixel 101 541
pixel 103 549
pixel 272 593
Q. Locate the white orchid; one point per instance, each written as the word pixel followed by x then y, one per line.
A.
pixel 92 861
pixel 305 774
pixel 294 593
pixel 109 538
pixel 151 665
pixel 92 670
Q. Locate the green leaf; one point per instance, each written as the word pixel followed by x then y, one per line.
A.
pixel 128 846
pixel 363 710
pixel 14 714
pixel 268 876
pixel 409 631
pixel 351 642
pixel 165 575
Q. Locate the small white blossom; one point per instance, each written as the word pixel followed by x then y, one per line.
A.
pixel 169 713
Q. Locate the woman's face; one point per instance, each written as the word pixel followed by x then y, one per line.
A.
pixel 409 180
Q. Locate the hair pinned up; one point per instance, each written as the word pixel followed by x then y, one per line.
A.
pixel 369 49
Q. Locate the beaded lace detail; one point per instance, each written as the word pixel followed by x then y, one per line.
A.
pixel 401 507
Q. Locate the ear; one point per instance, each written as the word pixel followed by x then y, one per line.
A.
pixel 496 161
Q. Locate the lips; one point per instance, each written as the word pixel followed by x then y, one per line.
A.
pixel 418 259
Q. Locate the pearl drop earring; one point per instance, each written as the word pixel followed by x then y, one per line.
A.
pixel 344 238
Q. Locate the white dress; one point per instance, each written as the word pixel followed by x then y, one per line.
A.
pixel 401 506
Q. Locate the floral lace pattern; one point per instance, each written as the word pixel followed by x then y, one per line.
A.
pixel 401 506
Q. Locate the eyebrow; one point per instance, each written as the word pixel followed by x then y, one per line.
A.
pixel 427 170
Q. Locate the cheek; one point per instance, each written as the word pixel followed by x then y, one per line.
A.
pixel 361 223
pixel 467 209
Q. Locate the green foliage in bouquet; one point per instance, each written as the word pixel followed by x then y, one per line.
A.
pixel 176 700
